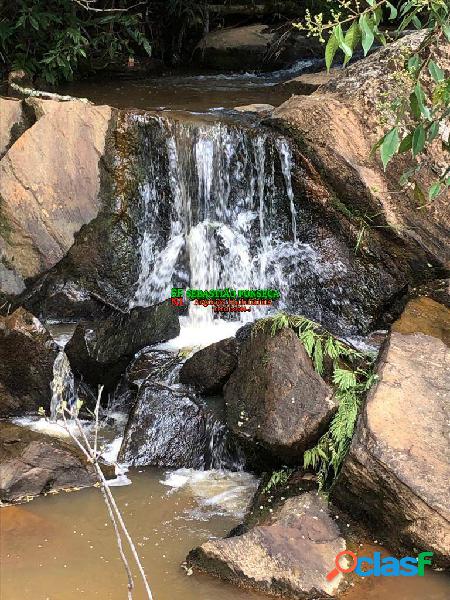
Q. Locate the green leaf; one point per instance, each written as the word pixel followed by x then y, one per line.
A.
pixel 366 26
pixel 436 72
pixel 446 30
pixel 434 190
pixel 433 131
pixel 421 100
pixel 405 144
pixel 418 140
pixel 414 63
pixel 393 10
pixel 330 50
pixel 337 30
pixel 389 146
pixel 351 39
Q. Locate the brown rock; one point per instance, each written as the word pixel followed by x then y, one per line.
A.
pixel 337 127
pixel 33 463
pixel 274 398
pixel 426 316
pixel 49 184
pixel 210 368
pixel 289 556
pixel 308 82
pixel 12 122
pixel 27 354
pixel 396 474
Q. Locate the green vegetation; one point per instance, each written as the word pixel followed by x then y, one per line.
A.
pixel 421 109
pixel 351 375
pixel 56 39
pixel 278 478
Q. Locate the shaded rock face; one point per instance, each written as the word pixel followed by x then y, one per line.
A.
pixel 50 183
pixel 14 122
pixel 336 128
pixel 210 368
pixel 275 399
pixel 27 354
pixel 99 353
pixel 255 47
pixel 32 463
pixel 396 474
pixel 290 555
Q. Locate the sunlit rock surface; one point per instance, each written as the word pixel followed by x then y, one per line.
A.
pixel 395 477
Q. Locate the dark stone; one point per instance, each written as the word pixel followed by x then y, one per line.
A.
pixel 100 353
pixel 33 463
pixel 274 399
pixel 27 354
pixel 210 368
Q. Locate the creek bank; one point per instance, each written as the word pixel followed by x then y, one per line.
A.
pixel 396 474
pixel 27 355
pixel 34 463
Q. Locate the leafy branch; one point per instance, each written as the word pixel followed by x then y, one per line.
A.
pixel 421 112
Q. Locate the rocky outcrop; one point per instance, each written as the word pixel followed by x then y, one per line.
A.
pixel 274 399
pixel 100 353
pixel 27 354
pixel 49 186
pixel 32 463
pixel 210 368
pixel 336 128
pixel 395 477
pixel 289 555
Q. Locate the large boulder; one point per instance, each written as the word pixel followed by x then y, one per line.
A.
pixel 395 477
pixel 289 555
pixel 33 463
pixel 274 399
pixel 49 185
pixel 255 47
pixel 27 355
pixel 100 352
pixel 336 127
pixel 210 368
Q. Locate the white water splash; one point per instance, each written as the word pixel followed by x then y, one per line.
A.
pixel 62 386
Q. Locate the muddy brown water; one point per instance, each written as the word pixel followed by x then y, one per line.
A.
pixel 62 547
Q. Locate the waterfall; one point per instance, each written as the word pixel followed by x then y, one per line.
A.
pixel 227 216
pixel 62 386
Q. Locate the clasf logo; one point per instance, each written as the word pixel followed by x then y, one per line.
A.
pixel 386 566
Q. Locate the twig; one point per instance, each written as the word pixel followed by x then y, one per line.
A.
pixel 86 5
pixel 92 456
pixel 41 94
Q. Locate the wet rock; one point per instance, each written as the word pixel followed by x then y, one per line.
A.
pixel 50 183
pixel 169 429
pixel 165 429
pixel 289 555
pixel 274 399
pixel 100 352
pixel 27 354
pixel 210 368
pixel 62 300
pixel 395 477
pixel 33 463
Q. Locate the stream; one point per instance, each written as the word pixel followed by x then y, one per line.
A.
pixel 222 228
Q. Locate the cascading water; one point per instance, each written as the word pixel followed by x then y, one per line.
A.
pixel 62 386
pixel 227 218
